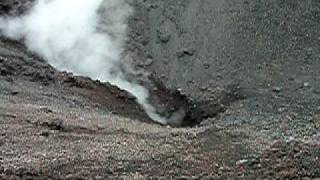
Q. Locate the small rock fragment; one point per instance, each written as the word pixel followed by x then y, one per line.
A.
pixel 306 84
pixel 148 62
pixel 14 92
pixel 56 124
pixel 242 161
pixel 45 133
pixel 276 89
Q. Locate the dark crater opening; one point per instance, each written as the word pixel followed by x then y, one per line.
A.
pixel 169 101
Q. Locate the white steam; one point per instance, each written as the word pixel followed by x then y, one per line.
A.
pixel 73 37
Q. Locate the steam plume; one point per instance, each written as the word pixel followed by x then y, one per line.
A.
pixel 71 35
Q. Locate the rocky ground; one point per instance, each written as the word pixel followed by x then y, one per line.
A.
pixel 251 68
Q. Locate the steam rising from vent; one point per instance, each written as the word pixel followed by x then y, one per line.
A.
pixel 85 37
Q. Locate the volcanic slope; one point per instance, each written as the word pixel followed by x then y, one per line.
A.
pixel 56 125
